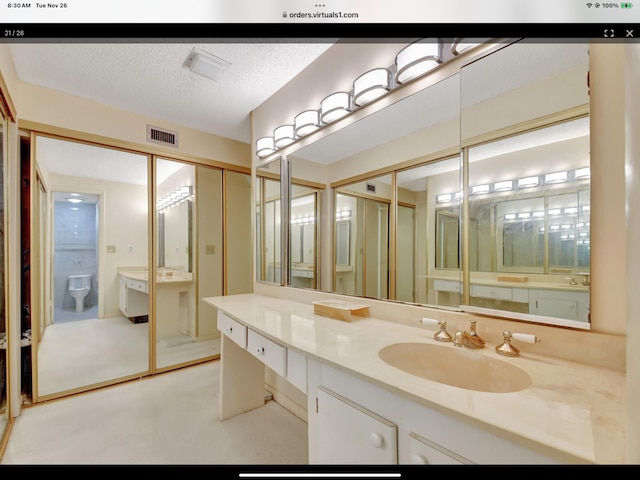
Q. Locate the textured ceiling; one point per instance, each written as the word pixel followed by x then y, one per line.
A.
pixel 151 79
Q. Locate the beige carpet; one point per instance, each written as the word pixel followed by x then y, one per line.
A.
pixel 170 418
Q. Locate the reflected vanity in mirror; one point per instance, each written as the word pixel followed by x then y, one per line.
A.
pixel 303 236
pixel 520 112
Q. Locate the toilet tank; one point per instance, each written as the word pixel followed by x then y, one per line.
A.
pixel 80 281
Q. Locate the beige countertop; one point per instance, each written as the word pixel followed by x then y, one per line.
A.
pixel 575 409
pixel 143 276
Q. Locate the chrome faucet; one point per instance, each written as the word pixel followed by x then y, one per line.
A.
pixel 469 339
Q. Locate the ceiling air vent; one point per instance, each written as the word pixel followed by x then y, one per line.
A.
pixel 161 136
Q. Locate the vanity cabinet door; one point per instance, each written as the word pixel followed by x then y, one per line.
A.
pixel 350 434
pixel 426 452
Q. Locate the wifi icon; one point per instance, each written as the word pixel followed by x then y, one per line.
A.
pixel 589 5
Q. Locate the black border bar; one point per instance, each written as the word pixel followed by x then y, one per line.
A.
pixel 250 32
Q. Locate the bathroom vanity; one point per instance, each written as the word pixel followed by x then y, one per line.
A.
pixel 363 410
pixel 172 287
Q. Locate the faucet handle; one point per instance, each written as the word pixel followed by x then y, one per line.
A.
pixel 505 348
pixel 573 280
pixel 442 335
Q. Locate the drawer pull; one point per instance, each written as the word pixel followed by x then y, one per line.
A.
pixel 260 351
pixel 229 330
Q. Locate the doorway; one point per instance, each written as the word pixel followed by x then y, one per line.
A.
pixel 75 256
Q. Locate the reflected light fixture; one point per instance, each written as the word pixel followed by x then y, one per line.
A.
pixel 306 122
pixel 479 189
pixel 443 198
pixel 283 136
pixel 205 64
pixel 371 85
pixel 417 59
pixel 503 186
pixel 528 182
pixel 581 173
pixel 335 106
pixel 265 146
pixel 556 177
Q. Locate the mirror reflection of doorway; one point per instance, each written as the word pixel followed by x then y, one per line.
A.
pixel 75 255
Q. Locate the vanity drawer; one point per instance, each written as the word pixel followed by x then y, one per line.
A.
pixel 485 291
pixel 447 286
pixel 137 285
pixel 232 329
pixel 270 353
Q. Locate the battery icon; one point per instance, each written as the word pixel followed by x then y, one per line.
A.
pixel 626 5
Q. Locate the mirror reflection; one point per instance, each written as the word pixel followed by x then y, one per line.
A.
pixel 303 236
pixel 366 207
pixel 268 222
pixel 92 332
pixel 519 113
pixel 4 410
pixel 528 247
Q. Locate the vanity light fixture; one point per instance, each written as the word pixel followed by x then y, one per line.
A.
pixel 503 186
pixel 443 198
pixel 567 226
pixel 335 106
pixel 528 182
pixel 571 210
pixel 554 227
pixel 479 189
pixel 417 59
pixel 556 177
pixel 538 214
pixel 283 136
pixel 306 122
pixel 581 173
pixel 343 214
pixel 586 208
pixel 371 85
pixel 464 45
pixel 555 211
pixel 265 146
pixel 174 197
pixel 524 215
pixel 510 216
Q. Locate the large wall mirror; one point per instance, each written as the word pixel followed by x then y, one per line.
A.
pixel 517 114
pixel 4 364
pixel 525 133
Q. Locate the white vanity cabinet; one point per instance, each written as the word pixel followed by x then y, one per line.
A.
pixel 562 304
pixel 244 354
pixel 133 297
pixel 350 434
pixel 424 435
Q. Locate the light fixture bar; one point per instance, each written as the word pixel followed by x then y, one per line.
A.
pixel 283 136
pixel 265 146
pixel 371 85
pixel 417 59
pixel 335 106
pixel 306 122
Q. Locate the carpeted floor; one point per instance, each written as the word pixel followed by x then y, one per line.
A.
pixel 170 418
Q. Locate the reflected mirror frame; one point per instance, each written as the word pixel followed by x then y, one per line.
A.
pixel 279 169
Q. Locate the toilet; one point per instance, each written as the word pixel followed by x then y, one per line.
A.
pixel 79 286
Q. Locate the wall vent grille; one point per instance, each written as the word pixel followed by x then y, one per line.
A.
pixel 162 136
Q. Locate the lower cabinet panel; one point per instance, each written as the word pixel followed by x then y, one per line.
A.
pixel 350 434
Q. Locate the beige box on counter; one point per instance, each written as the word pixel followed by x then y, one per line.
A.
pixel 340 310
pixel 513 278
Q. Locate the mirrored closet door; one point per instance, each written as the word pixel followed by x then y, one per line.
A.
pixel 89 320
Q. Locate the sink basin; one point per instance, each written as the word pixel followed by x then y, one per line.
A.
pixel 456 367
